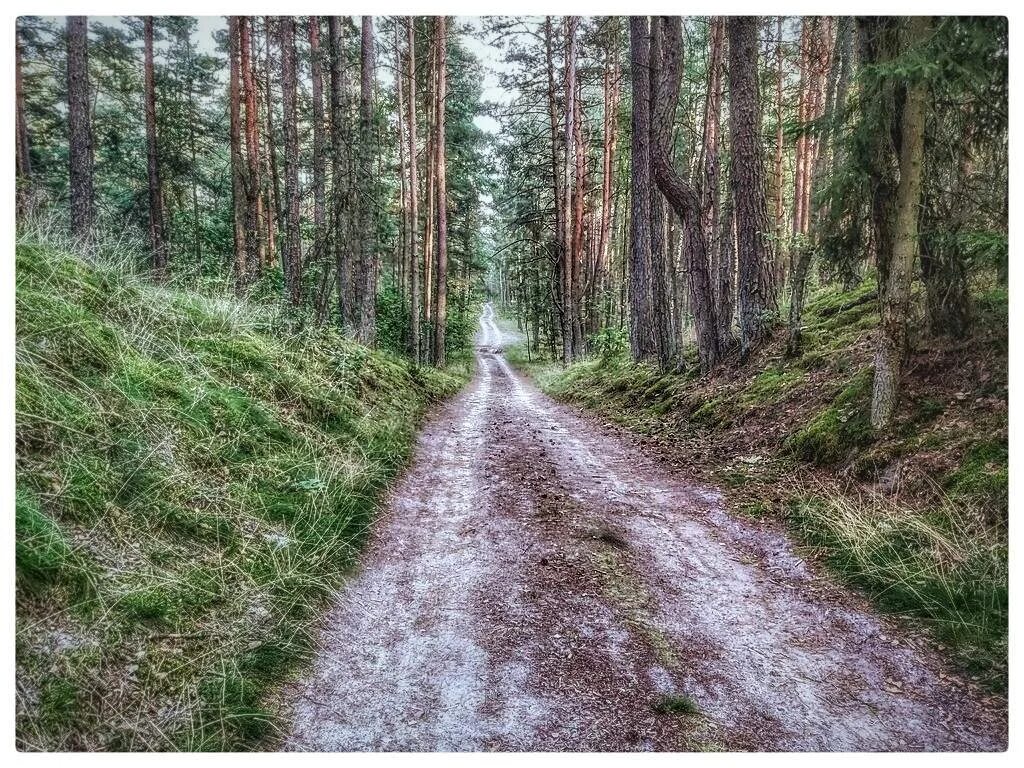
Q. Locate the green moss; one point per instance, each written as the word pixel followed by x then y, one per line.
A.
pixel 769 386
pixel 983 475
pixel 835 432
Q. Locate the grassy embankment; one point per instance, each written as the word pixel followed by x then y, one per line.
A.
pixel 916 519
pixel 191 485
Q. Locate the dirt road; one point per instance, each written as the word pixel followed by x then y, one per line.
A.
pixel 538 583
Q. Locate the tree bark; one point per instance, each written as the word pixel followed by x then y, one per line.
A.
pixel 756 289
pixel 319 159
pixel 660 292
pixel 683 196
pixel 253 207
pixel 339 176
pixel 414 270
pixel 292 237
pixel 237 167
pixel 895 304
pixel 273 195
pixel 441 283
pixel 366 298
pixel 641 316
pixel 157 238
pixel 23 158
pixel 80 149
pixel 568 163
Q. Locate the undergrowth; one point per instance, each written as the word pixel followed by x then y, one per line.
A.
pixel 193 480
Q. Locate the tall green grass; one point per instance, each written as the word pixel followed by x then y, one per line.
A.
pixel 945 566
pixel 194 479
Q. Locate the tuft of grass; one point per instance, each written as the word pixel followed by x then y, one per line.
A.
pixel 676 704
pixel 946 567
pixel 194 478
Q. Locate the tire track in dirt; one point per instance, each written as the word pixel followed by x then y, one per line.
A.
pixel 538 583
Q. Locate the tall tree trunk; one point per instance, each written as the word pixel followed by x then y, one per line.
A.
pixel 610 83
pixel 756 290
pixel 559 255
pixel 441 286
pixel 319 160
pixel 23 158
pixel 430 224
pixel 157 238
pixel 682 195
pixel 568 163
pixel 641 315
pixel 80 152
pixel 253 207
pixel 273 197
pixel 292 237
pixel 237 167
pixel 779 143
pixel 712 218
pixel 197 247
pixel 402 251
pixel 414 270
pixel 366 298
pixel 895 305
pixel 339 176
pixel 660 294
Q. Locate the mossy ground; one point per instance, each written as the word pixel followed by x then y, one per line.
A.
pixel 192 482
pixel 916 518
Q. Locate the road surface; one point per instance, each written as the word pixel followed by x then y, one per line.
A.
pixel 538 583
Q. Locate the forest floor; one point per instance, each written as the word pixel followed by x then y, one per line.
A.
pixel 540 581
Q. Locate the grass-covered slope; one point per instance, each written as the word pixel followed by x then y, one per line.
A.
pixel 917 518
pixel 190 486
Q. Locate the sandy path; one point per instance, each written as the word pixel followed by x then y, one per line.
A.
pixel 538 583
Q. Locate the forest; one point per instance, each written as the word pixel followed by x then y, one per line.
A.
pixel 297 294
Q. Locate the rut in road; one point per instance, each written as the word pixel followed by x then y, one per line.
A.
pixel 538 583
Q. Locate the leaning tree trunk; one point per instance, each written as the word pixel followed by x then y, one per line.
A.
pixel 80 154
pixel 660 294
pixel 682 195
pixel 895 304
pixel 157 238
pixel 756 289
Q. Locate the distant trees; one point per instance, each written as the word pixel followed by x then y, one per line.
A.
pixel 766 158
